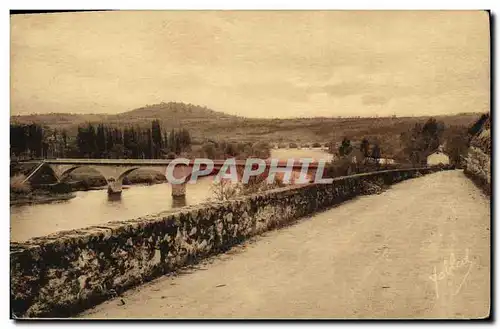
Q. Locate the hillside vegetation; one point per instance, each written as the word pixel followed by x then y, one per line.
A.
pixel 206 124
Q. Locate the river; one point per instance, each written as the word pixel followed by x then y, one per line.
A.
pixel 93 207
pixel 314 153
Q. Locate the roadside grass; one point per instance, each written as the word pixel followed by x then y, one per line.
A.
pixel 18 186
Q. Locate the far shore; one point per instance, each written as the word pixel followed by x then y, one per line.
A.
pixel 40 198
pixel 44 198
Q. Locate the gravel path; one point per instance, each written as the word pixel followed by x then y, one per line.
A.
pixel 419 250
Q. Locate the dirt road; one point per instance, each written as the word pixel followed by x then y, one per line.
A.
pixel 419 250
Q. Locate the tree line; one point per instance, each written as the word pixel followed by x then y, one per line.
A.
pixel 422 140
pixel 366 149
pixel 230 149
pixel 28 140
pixel 418 143
pixel 99 141
pixel 102 141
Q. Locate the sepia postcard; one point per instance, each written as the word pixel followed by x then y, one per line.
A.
pixel 231 164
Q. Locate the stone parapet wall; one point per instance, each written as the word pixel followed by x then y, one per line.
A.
pixel 478 160
pixel 64 273
pixel 482 140
pixel 478 168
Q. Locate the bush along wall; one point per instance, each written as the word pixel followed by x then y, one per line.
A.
pixel 66 272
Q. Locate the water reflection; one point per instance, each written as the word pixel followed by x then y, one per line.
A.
pixel 96 207
pixel 114 197
pixel 315 153
pixel 179 201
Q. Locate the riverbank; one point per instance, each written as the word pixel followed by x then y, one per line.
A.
pixel 43 196
pixel 38 197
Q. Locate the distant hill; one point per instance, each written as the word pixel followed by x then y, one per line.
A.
pixel 204 123
pixel 175 111
pixel 172 115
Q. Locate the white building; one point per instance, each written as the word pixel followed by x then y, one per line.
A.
pixel 437 158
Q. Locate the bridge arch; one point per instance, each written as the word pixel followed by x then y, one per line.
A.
pixel 109 174
pixel 125 173
pixel 65 172
pixel 62 172
pixel 128 171
pixel 115 182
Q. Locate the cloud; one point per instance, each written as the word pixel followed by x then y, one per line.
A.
pixel 374 99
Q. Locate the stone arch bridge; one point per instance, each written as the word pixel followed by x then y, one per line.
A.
pixel 114 170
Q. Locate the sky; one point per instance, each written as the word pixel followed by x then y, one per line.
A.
pixel 253 63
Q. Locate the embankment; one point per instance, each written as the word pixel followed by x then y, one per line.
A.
pixel 38 198
pixel 478 160
pixel 64 273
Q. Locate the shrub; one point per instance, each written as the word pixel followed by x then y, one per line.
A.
pixel 345 148
pixel 18 186
pixel 208 150
pixel 260 184
pixel 261 150
pixel 316 145
pixel 340 167
pixel 231 149
pixel 225 190
pixel 293 145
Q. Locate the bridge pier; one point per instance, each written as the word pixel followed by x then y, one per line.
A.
pixel 179 190
pixel 114 186
pixel 182 173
